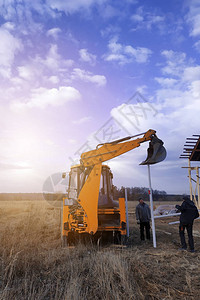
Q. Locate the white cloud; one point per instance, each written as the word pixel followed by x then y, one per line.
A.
pixel 193 17
pixel 9 47
pixel 146 20
pixel 137 18
pixel 25 72
pixel 195 88
pixel 173 125
pixel 5 72
pixel 42 98
pixel 126 53
pixel 22 14
pixel 54 32
pixel 139 15
pixel 172 55
pixel 110 30
pixel 115 47
pixel 142 89
pixel 48 70
pixel 154 20
pixel 140 54
pixel 22 11
pixel 39 71
pixel 191 73
pixel 197 46
pixel 54 79
pixel 87 76
pixel 87 57
pixel 109 11
pixel 187 77
pixel 54 61
pixel 72 6
pixel 176 62
pixel 172 98
pixel 8 26
pixel 178 97
pixel 122 59
pixel 82 120
pixel 168 82
pixel 53 58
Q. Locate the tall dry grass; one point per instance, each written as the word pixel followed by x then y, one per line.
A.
pixel 33 264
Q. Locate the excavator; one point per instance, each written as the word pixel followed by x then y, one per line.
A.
pixel 89 210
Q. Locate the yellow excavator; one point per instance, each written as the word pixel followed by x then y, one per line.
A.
pixel 89 210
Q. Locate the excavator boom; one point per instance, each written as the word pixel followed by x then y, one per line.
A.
pixel 113 149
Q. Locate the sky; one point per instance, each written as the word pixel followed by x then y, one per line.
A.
pixel 77 73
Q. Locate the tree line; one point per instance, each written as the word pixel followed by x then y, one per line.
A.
pixel 134 193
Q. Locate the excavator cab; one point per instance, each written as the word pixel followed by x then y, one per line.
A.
pixel 106 197
pixel 156 152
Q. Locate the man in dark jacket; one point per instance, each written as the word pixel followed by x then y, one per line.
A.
pixel 189 212
pixel 143 217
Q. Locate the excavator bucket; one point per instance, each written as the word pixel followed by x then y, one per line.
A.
pixel 156 152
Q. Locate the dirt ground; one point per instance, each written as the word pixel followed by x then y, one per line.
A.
pixel 33 265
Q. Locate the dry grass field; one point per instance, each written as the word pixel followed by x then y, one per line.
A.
pixel 33 265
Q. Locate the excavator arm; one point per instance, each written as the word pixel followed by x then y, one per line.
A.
pixel 113 149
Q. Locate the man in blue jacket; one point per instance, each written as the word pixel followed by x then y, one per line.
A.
pixel 189 212
pixel 143 217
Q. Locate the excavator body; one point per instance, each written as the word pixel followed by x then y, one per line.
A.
pixel 89 210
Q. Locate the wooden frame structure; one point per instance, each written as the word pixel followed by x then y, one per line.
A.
pixel 191 151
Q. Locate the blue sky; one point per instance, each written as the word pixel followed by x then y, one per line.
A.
pixel 68 70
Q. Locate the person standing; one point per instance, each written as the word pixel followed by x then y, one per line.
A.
pixel 143 217
pixel 189 212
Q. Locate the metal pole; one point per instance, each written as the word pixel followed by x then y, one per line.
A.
pixel 151 203
pixel 167 216
pixel 177 222
pixel 127 222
